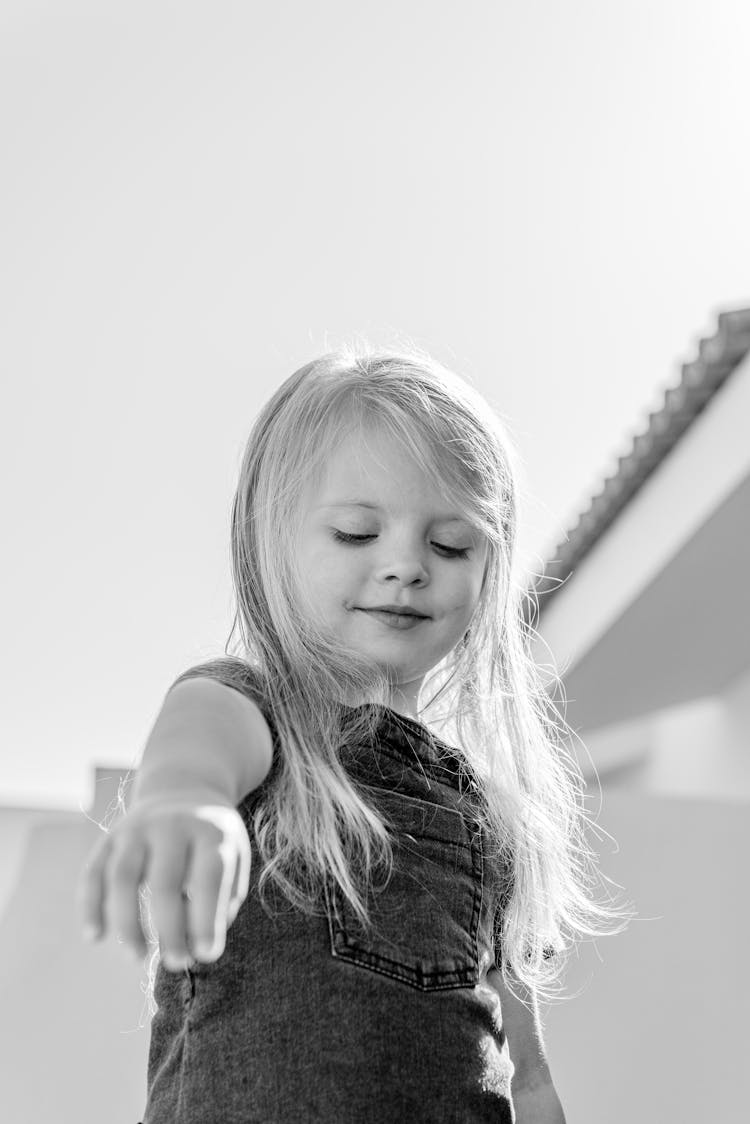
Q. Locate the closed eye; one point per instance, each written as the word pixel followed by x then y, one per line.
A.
pixel 452 551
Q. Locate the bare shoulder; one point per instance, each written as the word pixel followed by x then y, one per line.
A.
pixel 238 716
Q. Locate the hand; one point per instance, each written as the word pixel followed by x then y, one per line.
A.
pixel 176 843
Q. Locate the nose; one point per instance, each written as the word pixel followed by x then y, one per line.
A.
pixel 407 573
pixel 401 559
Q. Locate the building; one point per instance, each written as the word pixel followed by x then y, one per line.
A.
pixel 646 605
pixel 644 608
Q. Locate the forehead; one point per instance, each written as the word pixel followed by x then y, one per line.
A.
pixel 380 476
pixel 354 503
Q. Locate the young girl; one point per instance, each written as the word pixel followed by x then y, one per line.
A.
pixel 363 835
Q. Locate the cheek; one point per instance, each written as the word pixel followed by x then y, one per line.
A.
pixel 329 574
pixel 465 589
pixel 462 605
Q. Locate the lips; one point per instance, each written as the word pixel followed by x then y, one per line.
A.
pixel 394 612
pixel 394 620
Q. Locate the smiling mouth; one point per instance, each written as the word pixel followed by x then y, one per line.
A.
pixel 387 618
pixel 394 613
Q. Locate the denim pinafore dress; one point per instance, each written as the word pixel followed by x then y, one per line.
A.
pixel 311 1018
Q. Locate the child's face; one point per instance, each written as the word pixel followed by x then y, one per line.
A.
pixel 403 563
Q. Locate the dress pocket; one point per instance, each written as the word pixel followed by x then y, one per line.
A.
pixel 425 920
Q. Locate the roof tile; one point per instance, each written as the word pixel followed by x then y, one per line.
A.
pixel 701 379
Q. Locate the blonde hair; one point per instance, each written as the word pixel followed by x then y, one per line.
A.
pixel 487 697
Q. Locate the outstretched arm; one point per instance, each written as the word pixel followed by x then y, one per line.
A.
pixel 206 736
pixel 208 748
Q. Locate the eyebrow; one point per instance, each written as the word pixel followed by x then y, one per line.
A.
pixel 445 517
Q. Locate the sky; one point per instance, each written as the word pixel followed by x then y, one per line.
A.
pixel 200 198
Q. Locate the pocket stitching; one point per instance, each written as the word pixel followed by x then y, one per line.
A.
pixel 422 981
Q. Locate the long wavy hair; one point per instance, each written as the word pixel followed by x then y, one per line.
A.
pixel 487 697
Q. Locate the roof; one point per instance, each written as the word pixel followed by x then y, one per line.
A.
pixel 702 378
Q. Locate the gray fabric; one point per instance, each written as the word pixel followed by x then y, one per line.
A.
pixel 309 1018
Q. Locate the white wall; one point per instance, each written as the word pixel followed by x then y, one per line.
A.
pixel 704 748
pixel 73 1033
pixel 699 750
pixel 657 1033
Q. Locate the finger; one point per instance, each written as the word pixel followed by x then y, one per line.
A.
pixel 241 884
pixel 127 866
pixel 166 874
pixel 210 881
pixel 90 890
pixel 226 877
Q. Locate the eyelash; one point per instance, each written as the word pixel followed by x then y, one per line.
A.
pixel 453 551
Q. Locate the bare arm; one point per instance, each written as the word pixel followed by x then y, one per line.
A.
pixel 538 1105
pixel 209 747
pixel 206 737
pixel 534 1097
